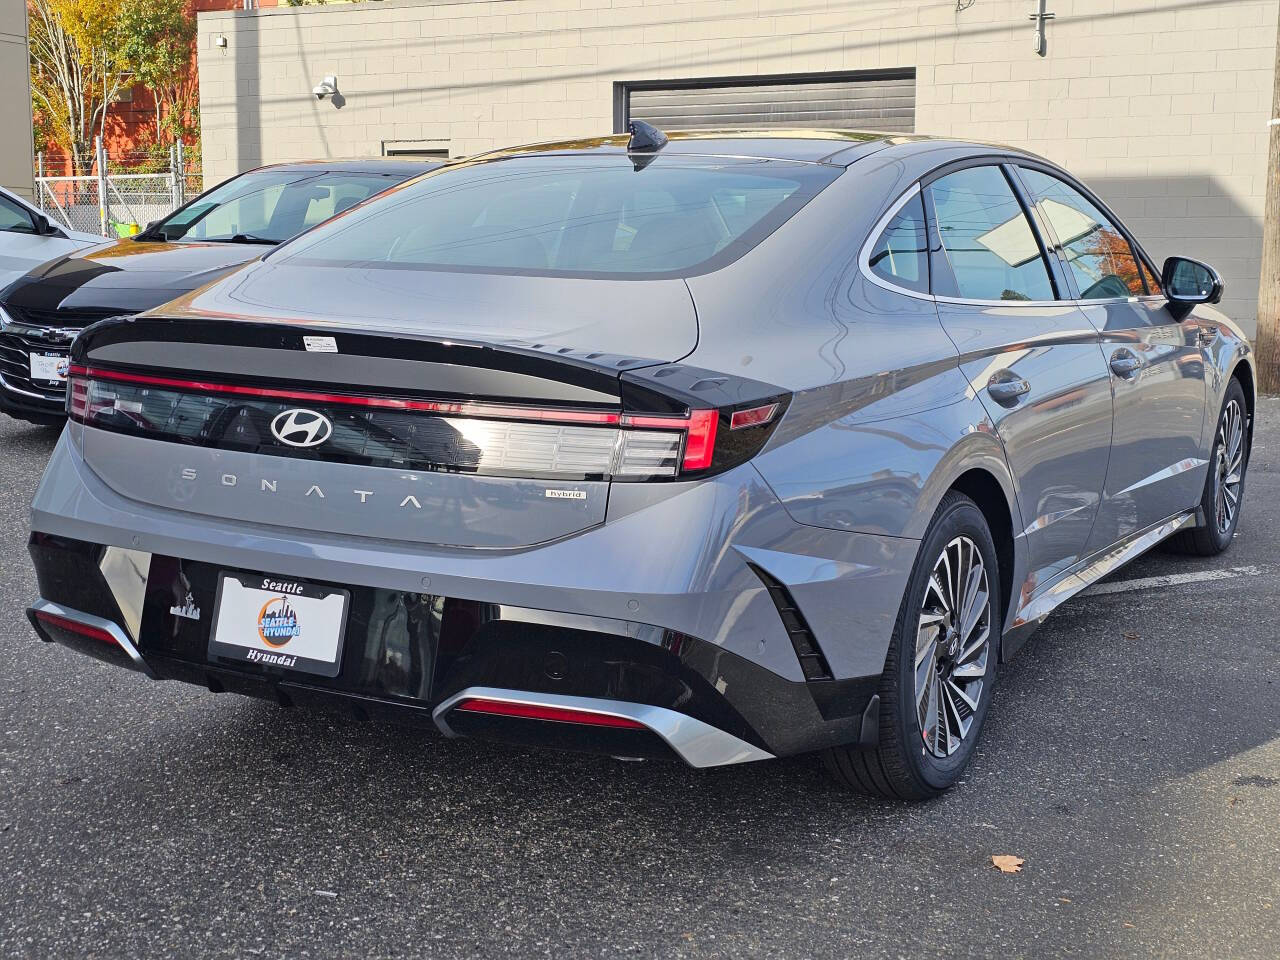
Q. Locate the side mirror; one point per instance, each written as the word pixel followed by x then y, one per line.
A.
pixel 1190 282
pixel 41 223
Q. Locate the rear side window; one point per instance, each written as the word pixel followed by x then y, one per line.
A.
pixel 1099 256
pixel 584 216
pixel 901 254
pixel 988 241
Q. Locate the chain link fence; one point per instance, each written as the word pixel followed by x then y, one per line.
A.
pixel 116 204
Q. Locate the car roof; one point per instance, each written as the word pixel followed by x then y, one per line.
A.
pixel 409 167
pixel 817 145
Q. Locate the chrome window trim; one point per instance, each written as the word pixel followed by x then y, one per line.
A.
pixel 864 267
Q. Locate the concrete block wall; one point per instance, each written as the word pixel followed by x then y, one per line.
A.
pixel 1161 105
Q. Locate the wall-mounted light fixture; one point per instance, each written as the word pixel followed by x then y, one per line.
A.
pixel 325 88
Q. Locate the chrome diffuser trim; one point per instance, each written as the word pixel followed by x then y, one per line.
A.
pixel 698 744
pixel 126 574
pixel 107 626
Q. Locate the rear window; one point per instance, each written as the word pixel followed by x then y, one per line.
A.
pixel 579 216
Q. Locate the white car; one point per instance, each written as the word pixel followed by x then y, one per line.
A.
pixel 28 239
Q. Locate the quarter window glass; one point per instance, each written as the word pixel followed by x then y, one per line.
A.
pixel 14 218
pixel 1098 254
pixel 992 249
pixel 901 254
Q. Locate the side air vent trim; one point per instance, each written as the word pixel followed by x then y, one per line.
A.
pixel 813 663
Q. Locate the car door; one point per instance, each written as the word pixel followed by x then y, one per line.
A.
pixel 1029 354
pixel 1156 362
pixel 21 246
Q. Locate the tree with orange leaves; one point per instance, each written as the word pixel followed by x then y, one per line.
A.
pixel 77 70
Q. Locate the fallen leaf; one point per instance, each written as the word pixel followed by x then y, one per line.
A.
pixel 1007 864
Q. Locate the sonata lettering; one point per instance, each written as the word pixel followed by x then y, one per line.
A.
pixel 410 502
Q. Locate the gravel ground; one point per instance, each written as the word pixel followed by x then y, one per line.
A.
pixel 1131 757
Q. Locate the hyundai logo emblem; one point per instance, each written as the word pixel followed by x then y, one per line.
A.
pixel 301 428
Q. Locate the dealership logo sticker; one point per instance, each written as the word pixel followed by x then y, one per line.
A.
pixel 188 611
pixel 301 428
pixel 320 344
pixel 277 622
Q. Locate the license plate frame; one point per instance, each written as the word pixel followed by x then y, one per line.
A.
pixel 43 366
pixel 238 635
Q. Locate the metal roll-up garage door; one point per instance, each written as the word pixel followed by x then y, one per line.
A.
pixel 882 101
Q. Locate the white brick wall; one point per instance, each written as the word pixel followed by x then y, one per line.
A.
pixel 1161 105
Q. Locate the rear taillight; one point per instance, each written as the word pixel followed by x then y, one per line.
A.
pixel 433 435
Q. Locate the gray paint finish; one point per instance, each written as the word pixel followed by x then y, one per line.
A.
pixel 889 409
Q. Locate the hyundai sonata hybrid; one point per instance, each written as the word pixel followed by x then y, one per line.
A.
pixel 719 447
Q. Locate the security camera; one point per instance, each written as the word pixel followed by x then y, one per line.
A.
pixel 325 88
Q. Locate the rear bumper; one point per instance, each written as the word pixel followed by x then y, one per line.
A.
pixel 414 657
pixel 663 606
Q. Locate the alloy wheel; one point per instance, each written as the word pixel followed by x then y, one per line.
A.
pixel 953 642
pixel 1228 466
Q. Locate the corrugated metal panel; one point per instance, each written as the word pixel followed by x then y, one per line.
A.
pixel 887 104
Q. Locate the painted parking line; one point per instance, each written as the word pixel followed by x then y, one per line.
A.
pixel 1170 580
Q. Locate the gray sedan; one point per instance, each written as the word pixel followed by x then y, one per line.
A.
pixel 717 447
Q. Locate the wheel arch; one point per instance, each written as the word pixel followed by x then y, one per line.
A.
pixel 976 467
pixel 982 487
pixel 1243 372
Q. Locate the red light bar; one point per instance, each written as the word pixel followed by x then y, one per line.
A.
pixel 531 711
pixel 452 408
pixel 755 417
pixel 75 626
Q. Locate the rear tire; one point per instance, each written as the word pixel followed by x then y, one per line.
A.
pixel 1223 495
pixel 941 666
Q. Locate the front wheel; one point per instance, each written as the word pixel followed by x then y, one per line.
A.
pixel 941 666
pixel 1223 494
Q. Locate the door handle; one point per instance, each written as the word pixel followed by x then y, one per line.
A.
pixel 1006 387
pixel 1125 363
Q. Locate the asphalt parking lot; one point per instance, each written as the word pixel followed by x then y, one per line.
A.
pixel 1132 758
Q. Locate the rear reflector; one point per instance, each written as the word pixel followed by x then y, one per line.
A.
pixel 755 417
pixel 74 626
pixel 531 711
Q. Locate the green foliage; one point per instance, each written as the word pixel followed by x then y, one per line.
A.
pixel 157 40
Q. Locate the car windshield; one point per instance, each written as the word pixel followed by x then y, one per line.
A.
pixel 270 206
pixel 613 216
